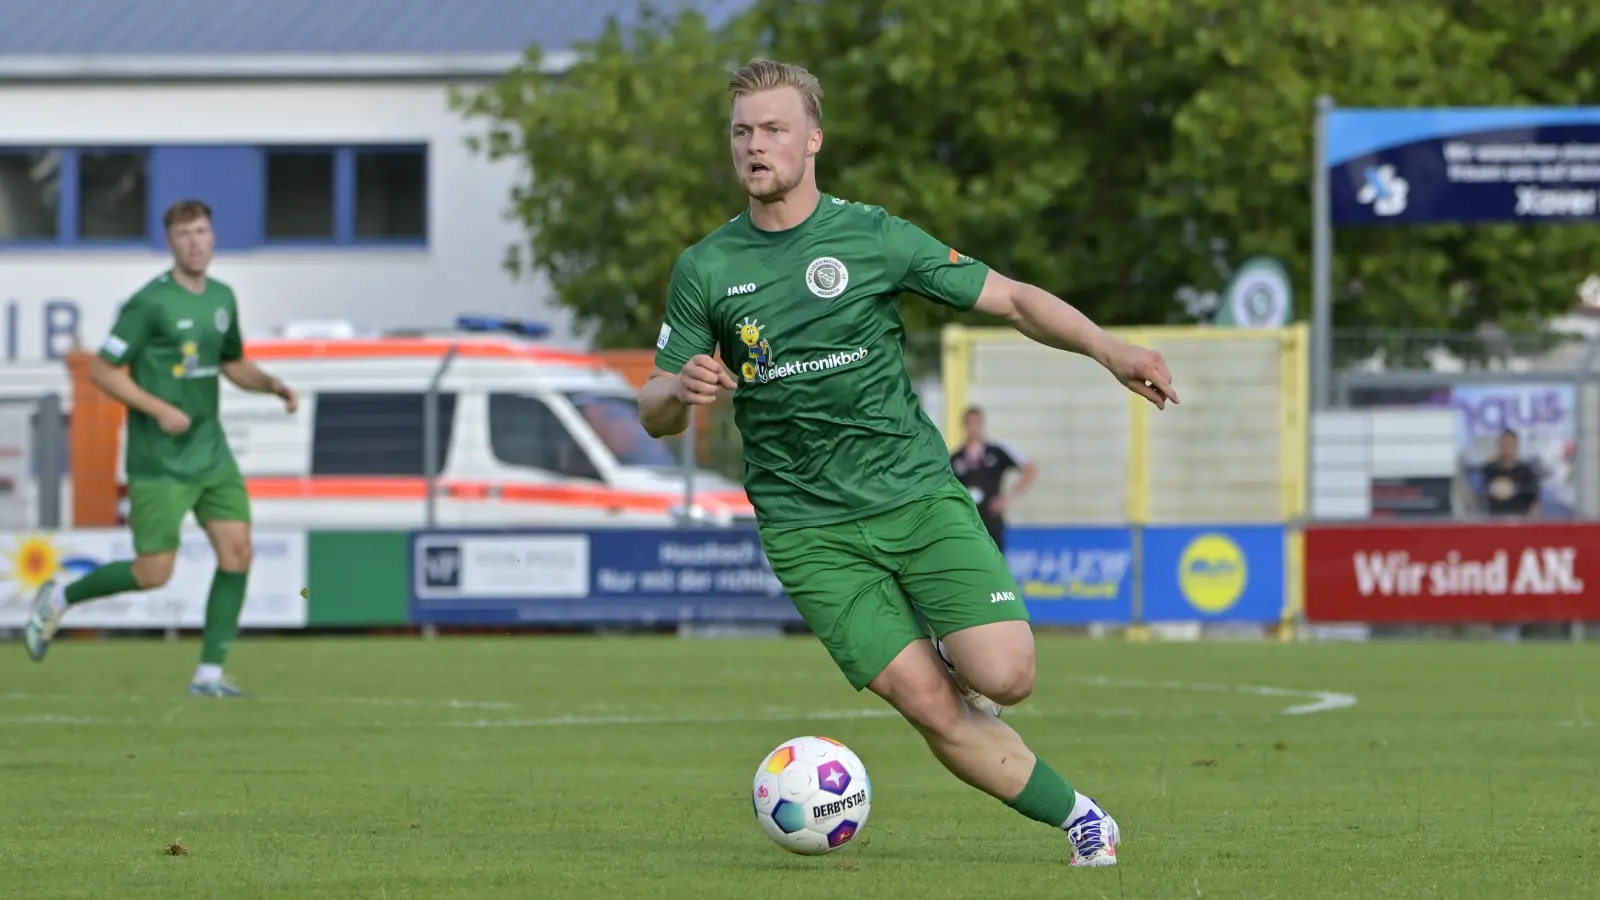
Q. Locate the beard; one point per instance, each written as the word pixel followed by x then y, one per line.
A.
pixel 774 187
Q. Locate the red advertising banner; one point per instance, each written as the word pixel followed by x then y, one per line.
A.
pixel 1453 573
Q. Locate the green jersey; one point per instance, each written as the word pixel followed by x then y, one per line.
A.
pixel 173 341
pixel 808 319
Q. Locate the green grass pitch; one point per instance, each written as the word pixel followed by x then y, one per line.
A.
pixel 621 768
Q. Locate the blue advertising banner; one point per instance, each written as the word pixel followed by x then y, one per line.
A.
pixel 1410 166
pixel 1213 573
pixel 1073 576
pixel 558 576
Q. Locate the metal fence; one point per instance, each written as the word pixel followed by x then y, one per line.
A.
pixel 33 446
pixel 1234 452
pixel 1544 387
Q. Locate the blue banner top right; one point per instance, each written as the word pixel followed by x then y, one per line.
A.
pixel 1415 166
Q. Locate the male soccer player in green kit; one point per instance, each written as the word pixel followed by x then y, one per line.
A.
pixel 174 337
pixel 860 515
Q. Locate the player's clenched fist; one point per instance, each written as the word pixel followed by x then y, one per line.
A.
pixel 698 381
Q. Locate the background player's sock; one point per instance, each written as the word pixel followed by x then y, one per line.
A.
pixel 222 616
pixel 111 578
pixel 1046 797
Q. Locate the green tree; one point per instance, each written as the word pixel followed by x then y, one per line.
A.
pixel 1111 152
pixel 625 163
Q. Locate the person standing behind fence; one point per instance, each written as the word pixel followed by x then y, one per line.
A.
pixel 1510 486
pixel 981 466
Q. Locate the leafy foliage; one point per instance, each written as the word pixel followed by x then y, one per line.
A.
pixel 1113 153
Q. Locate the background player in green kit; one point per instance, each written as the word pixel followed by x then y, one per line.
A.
pixel 859 513
pixel 175 336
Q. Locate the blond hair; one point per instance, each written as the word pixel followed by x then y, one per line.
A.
pixel 766 75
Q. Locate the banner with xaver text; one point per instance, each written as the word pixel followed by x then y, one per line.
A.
pixel 1415 166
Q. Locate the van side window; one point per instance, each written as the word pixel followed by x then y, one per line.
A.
pixel 376 433
pixel 525 432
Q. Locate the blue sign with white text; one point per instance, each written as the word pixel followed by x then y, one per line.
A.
pixel 1213 573
pixel 1073 576
pixel 1411 166
pixel 632 576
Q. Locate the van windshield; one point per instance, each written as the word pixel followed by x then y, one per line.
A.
pixel 616 420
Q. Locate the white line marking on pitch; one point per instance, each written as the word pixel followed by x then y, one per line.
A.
pixel 560 721
pixel 1322 701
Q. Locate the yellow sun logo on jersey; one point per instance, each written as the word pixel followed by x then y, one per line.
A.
pixel 191 360
pixel 760 352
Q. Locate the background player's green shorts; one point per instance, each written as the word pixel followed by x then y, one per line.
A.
pixel 157 506
pixel 856 583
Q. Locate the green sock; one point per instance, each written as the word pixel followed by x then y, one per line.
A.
pixel 111 578
pixel 1046 797
pixel 222 615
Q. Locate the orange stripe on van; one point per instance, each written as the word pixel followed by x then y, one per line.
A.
pixel 390 348
pixel 377 488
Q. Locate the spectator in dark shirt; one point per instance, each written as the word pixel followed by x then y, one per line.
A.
pixel 981 465
pixel 1510 486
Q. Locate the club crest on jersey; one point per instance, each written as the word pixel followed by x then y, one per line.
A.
pixel 760 353
pixel 220 320
pixel 827 277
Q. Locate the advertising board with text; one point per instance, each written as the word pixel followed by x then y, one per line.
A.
pixel 633 576
pixel 1414 166
pixel 1453 573
pixel 1073 576
pixel 272 600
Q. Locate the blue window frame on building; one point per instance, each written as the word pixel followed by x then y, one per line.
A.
pixel 290 196
pixel 87 197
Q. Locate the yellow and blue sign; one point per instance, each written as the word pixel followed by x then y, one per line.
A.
pixel 1073 576
pixel 1222 573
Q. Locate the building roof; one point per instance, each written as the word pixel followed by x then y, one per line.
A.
pixel 112 39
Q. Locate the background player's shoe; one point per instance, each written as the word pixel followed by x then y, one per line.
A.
pixel 973 697
pixel 1094 836
pixel 43 620
pixel 218 688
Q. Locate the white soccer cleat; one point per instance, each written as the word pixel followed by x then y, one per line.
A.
pixel 44 619
pixel 982 703
pixel 1094 837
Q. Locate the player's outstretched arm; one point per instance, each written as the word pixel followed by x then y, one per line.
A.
pixel 665 399
pixel 247 376
pixel 1054 322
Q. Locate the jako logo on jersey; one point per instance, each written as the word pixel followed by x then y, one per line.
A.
pixel 827 277
pixel 1002 596
pixel 738 289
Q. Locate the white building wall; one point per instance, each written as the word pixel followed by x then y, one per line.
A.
pixel 460 271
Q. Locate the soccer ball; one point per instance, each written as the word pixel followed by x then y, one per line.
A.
pixel 812 795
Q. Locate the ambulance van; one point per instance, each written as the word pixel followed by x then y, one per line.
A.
pixel 522 434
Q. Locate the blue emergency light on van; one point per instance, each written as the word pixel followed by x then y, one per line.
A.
pixel 496 323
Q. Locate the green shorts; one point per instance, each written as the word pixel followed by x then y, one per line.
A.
pixel 157 507
pixel 860 585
